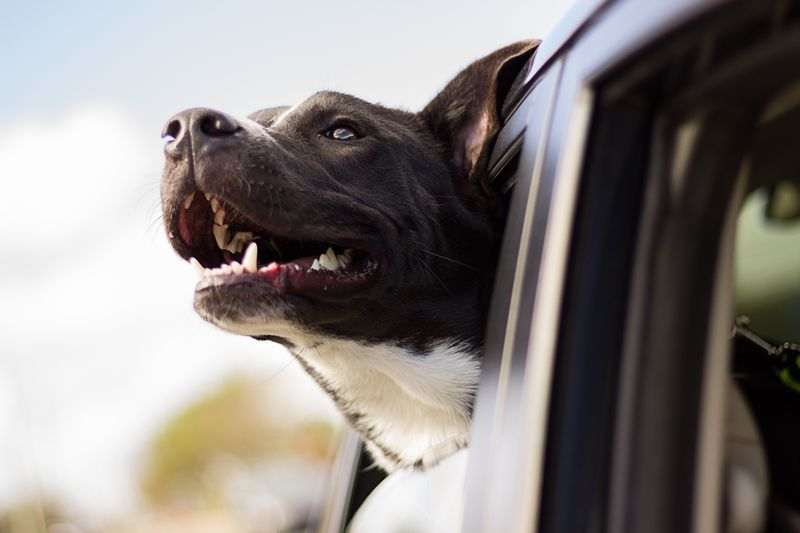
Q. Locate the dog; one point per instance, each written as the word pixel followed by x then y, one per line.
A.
pixel 362 238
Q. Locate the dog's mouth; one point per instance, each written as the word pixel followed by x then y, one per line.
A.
pixel 228 248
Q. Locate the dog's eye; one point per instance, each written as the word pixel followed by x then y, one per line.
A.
pixel 341 133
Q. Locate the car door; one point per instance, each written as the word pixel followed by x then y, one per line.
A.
pixel 613 411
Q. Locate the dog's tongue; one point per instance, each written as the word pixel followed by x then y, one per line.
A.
pixel 194 223
pixel 296 278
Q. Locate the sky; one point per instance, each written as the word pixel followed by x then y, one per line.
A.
pixel 99 343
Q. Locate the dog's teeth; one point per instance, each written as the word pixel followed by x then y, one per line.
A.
pixel 344 260
pixel 331 255
pixel 326 263
pixel 188 202
pixel 236 244
pixel 201 271
pixel 250 259
pixel 237 268
pixel 219 217
pixel 214 204
pixel 315 265
pixel 226 269
pixel 328 260
pixel 208 196
pixel 220 235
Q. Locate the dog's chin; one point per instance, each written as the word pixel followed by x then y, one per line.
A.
pixel 247 308
pixel 281 306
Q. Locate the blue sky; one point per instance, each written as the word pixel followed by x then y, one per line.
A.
pixel 104 344
pixel 152 58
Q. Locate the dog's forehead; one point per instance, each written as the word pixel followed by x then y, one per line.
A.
pixel 323 105
pixel 268 113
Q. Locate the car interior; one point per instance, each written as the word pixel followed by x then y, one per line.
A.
pixel 763 468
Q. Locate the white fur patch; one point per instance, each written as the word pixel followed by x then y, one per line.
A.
pixel 417 405
pixel 412 408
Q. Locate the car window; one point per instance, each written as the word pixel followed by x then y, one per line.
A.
pixel 762 474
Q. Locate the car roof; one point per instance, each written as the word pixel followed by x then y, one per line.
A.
pixel 576 18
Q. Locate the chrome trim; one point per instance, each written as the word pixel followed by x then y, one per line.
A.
pixel 547 307
pixel 341 480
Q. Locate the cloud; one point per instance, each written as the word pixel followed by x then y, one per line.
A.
pixel 61 172
pixel 104 344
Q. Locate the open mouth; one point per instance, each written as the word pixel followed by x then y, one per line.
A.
pixel 228 248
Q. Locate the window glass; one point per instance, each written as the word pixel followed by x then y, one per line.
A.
pixel 768 261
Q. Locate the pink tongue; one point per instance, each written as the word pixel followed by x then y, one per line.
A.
pixel 294 276
pixel 280 275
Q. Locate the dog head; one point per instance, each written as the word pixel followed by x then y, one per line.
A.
pixel 369 223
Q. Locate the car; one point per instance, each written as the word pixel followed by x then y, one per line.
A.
pixel 651 164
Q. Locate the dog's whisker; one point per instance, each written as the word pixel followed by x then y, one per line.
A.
pixel 274 375
pixel 450 259
pixel 432 273
pixel 151 227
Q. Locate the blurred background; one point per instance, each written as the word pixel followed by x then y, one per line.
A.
pixel 120 410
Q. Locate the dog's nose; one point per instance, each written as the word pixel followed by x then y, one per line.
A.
pixel 196 125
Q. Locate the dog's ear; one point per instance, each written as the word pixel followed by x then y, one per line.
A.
pixel 465 116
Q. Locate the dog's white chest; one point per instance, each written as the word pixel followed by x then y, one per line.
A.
pixel 412 409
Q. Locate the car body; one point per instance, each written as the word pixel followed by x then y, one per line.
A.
pixel 605 385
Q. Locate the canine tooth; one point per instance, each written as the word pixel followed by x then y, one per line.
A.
pixel 315 265
pixel 237 268
pixel 208 196
pixel 220 235
pixel 201 271
pixel 214 204
pixel 250 259
pixel 188 202
pixel 219 217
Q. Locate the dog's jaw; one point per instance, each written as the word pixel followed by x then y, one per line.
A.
pixel 412 408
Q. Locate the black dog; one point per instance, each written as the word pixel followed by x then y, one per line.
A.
pixel 362 238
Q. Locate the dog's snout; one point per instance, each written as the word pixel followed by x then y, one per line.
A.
pixel 198 125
